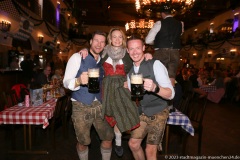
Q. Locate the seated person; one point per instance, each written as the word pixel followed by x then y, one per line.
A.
pixel 57 79
pixel 42 78
pixel 58 75
pixel 193 78
pixel 201 79
pixel 14 63
pixel 219 83
pixel 238 75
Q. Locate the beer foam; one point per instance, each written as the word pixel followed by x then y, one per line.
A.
pixel 93 74
pixel 136 79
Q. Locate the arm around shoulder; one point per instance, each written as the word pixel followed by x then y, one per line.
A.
pixel 72 68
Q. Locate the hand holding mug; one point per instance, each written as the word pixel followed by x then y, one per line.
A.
pixel 149 85
pixel 83 78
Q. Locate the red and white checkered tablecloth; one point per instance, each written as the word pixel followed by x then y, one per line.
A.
pixel 29 115
pixel 208 88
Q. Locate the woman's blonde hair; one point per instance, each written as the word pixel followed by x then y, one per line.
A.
pixel 123 35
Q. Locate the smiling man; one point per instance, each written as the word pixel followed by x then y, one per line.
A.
pixel 86 106
pixel 153 108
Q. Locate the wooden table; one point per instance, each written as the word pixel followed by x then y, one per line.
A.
pixel 178 118
pixel 28 116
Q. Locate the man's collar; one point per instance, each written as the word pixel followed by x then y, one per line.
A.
pixel 168 16
pixel 140 63
pixel 99 57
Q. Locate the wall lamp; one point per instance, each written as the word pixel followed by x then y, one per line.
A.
pixel 209 54
pixel 40 39
pixel 194 55
pixel 58 44
pixel 5 26
pixel 69 16
pixel 195 31
pixel 233 52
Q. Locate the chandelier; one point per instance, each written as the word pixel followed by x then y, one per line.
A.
pixel 140 27
pixel 151 8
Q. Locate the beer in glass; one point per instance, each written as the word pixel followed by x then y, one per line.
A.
pixel 93 80
pixel 137 90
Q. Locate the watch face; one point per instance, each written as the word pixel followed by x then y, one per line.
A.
pixel 26 24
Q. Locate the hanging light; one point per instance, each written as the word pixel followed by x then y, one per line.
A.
pixel 140 27
pixel 177 6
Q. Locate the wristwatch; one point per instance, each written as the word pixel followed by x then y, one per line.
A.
pixel 77 82
pixel 157 89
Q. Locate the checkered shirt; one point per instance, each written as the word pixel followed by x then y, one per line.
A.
pixel 208 88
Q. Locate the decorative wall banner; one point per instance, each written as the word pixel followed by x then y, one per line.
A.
pixel 25 29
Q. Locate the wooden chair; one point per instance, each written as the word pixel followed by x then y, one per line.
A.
pixel 187 94
pixel 58 118
pixel 184 102
pixel 187 87
pixel 195 112
pixel 67 116
pixel 55 122
pixel 177 130
pixel 10 98
pixel 21 90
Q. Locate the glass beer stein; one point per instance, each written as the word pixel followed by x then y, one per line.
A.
pixel 137 89
pixel 93 80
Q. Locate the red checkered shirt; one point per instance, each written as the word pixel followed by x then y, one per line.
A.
pixel 208 88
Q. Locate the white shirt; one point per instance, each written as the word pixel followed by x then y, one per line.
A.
pixel 153 32
pixel 200 82
pixel 110 61
pixel 72 68
pixel 238 75
pixel 161 76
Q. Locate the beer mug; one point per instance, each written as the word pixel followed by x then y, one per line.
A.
pixel 93 80
pixel 137 89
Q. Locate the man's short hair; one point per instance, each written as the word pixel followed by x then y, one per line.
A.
pixel 165 8
pixel 98 32
pixel 135 37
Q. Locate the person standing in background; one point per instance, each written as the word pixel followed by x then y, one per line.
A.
pixel 36 63
pixel 27 68
pixel 14 63
pixel 165 35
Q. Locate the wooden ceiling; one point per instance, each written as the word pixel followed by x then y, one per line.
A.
pixel 118 12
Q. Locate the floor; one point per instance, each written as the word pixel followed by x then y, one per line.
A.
pixel 221 137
